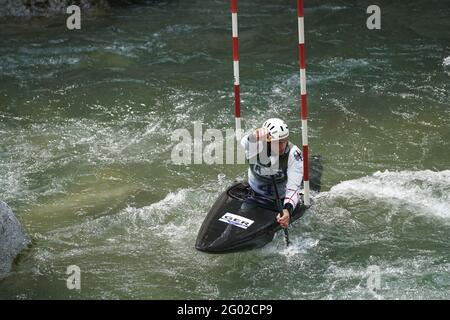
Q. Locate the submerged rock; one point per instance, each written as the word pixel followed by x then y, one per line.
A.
pixel 12 239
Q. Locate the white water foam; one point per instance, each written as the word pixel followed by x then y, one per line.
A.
pixel 156 211
pixel 446 62
pixel 126 227
pixel 175 218
pixel 428 189
pixel 299 246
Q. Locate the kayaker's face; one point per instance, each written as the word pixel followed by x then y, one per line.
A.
pixel 281 146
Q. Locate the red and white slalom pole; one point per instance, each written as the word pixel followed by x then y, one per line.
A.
pixel 237 90
pixel 304 111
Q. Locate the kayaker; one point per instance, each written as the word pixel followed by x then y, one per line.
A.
pixel 269 152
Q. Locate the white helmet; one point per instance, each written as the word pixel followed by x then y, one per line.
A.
pixel 278 129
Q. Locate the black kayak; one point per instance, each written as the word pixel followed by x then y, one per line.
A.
pixel 240 220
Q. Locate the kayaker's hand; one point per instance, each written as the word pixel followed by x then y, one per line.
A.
pixel 284 220
pixel 262 134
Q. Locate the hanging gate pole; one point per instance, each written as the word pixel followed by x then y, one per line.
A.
pixel 237 91
pixel 304 111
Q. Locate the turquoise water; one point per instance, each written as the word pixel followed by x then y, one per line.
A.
pixel 85 155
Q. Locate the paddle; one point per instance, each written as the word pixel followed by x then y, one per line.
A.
pixel 280 209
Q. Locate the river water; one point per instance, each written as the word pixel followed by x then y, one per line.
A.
pixel 86 119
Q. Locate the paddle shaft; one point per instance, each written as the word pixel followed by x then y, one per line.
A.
pixel 280 209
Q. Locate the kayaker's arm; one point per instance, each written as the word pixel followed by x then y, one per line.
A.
pixel 251 151
pixel 294 179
